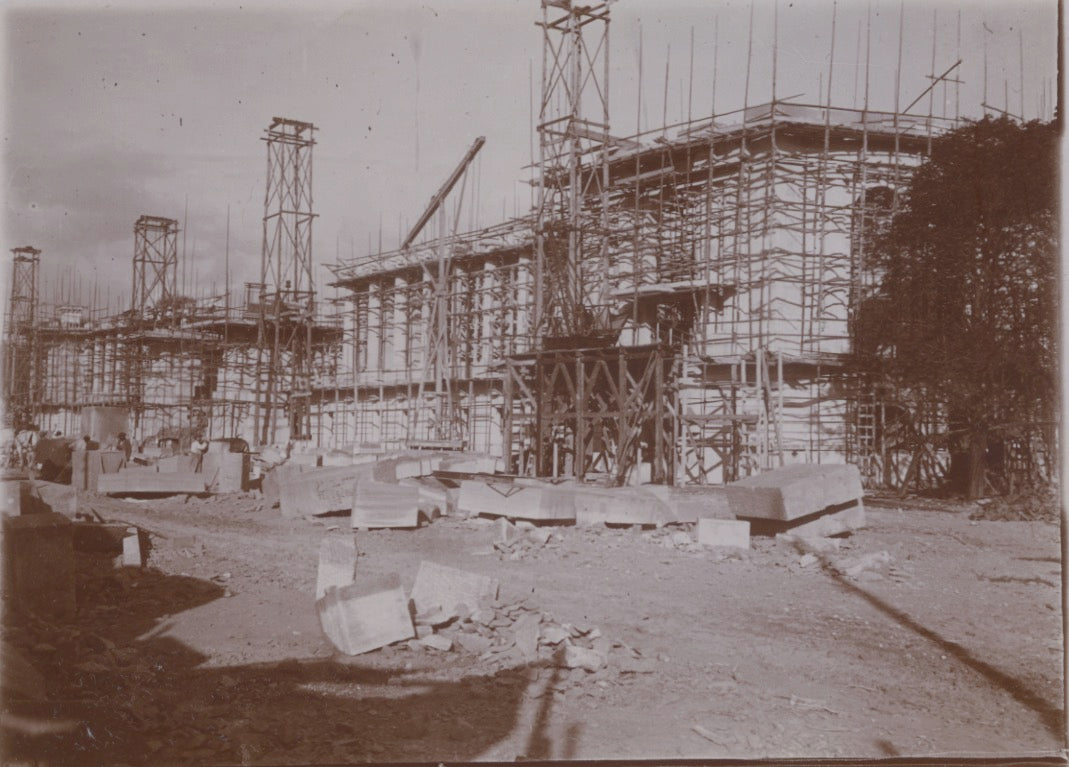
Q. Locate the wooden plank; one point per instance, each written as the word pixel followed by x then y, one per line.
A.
pixel 366 616
pixel 150 481
pixel 380 504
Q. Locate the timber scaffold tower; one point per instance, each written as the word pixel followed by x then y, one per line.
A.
pixel 22 359
pixel 286 300
pixel 580 404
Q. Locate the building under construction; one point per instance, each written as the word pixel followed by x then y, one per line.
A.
pixel 676 308
pixel 252 368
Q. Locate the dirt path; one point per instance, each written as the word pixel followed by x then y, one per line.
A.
pixel 949 644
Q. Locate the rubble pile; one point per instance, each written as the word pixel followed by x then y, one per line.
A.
pixel 504 634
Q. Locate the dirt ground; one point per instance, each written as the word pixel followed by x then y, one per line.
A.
pixel 925 634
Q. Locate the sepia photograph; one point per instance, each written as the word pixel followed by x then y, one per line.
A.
pixel 388 381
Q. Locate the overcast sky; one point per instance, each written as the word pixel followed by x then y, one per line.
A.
pixel 114 111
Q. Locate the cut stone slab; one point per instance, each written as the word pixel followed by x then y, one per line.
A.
pixel 689 504
pixel 473 643
pixel 378 504
pixel 823 525
pixel 474 464
pixel 366 616
pixel 437 642
pixel 446 588
pixel 337 458
pixel 582 657
pixel 226 472
pixel 433 500
pixel 506 532
pixel 337 563
pixel 131 548
pixel 269 486
pixel 724 532
pixel 21 497
pixel 622 505
pixel 793 492
pixel 173 464
pixel 130 481
pixel 416 467
pixel 310 460
pixel 526 630
pixel 542 502
pixel 39 563
pixel 318 491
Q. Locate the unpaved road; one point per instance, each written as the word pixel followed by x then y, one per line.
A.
pixel 949 644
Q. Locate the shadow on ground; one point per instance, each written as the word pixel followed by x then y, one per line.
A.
pixel 1051 716
pixel 115 689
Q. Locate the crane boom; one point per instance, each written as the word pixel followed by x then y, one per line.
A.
pixel 440 195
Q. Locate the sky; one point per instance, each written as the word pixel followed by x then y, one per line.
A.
pixel 116 110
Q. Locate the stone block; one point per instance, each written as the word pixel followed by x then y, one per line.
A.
pixel 505 531
pixel 337 563
pixel 366 616
pixel 173 464
pixel 131 548
pixel 433 498
pixel 541 501
pixel 474 643
pixel 226 472
pixel 830 523
pixel 103 423
pixel 380 504
pixel 318 491
pixel 269 486
pixel 582 657
pixel 724 532
pixel 307 460
pixel 416 467
pixel 445 588
pixel 135 481
pixel 21 497
pixel 39 563
pixel 476 497
pixel 622 506
pixel 473 464
pixel 437 642
pixel 792 492
pixel 689 504
pixel 337 458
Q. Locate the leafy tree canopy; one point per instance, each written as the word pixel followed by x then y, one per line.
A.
pixel 967 271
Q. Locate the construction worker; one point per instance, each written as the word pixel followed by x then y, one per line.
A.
pixel 124 445
pixel 198 448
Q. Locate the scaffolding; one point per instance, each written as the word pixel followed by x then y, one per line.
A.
pixel 22 357
pixel 287 288
pixel 676 307
pixel 155 265
pixel 735 243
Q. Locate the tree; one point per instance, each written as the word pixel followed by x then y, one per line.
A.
pixel 965 312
